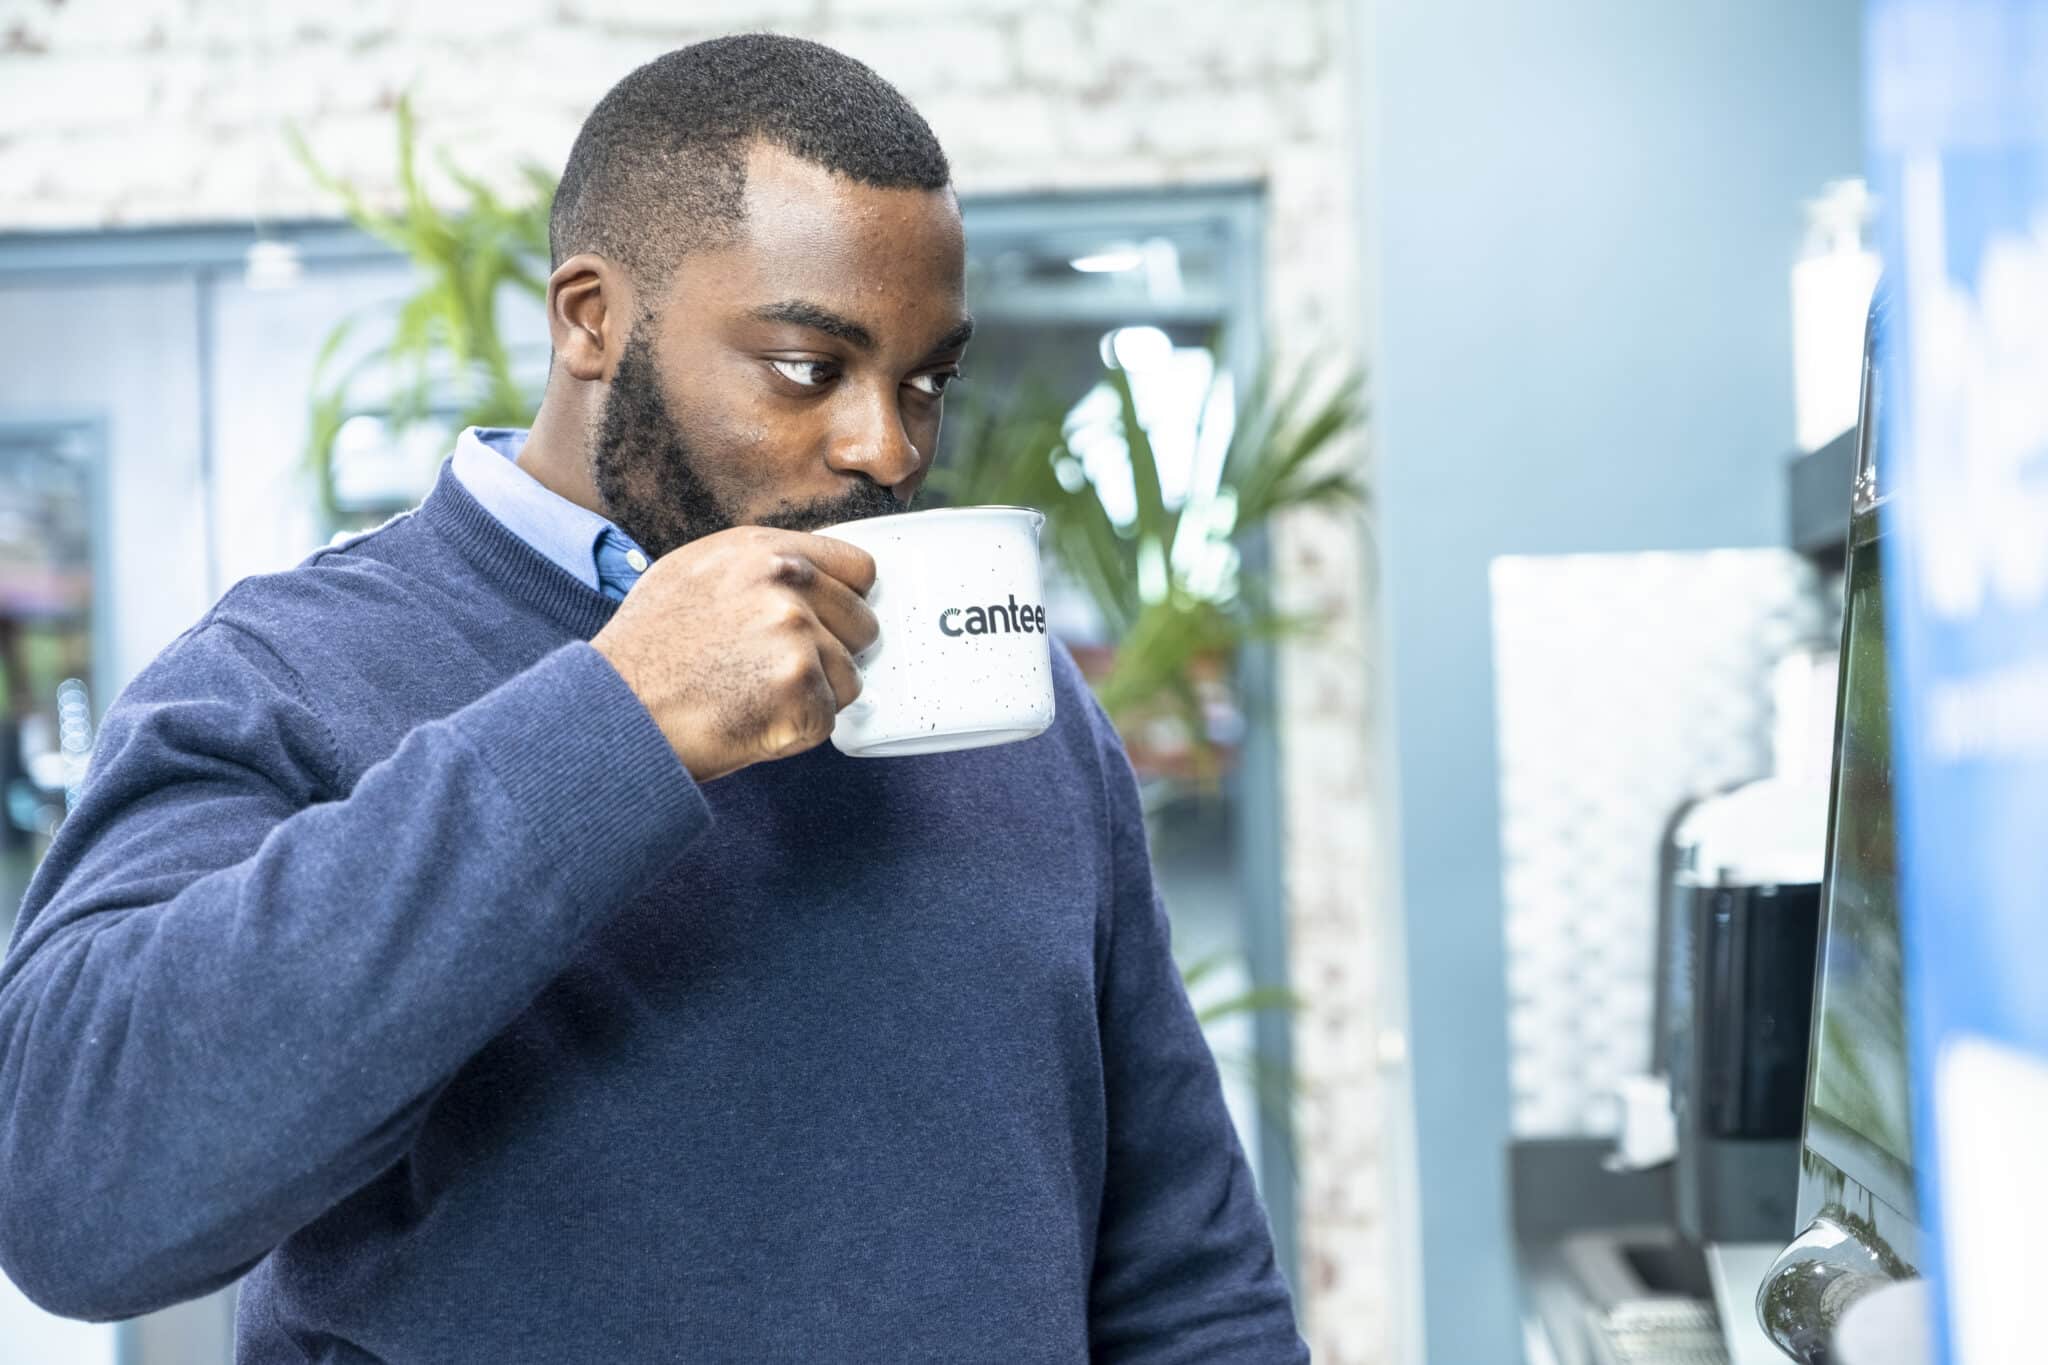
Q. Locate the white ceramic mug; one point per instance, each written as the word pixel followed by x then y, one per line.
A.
pixel 963 659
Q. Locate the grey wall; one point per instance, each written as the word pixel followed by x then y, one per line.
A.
pixel 1582 217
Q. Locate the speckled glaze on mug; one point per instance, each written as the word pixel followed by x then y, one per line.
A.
pixel 963 659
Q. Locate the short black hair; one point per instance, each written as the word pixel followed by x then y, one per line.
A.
pixel 659 167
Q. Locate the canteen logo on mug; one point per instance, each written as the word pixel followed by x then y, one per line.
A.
pixel 941 574
pixel 996 619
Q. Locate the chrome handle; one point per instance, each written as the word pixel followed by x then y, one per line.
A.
pixel 1814 1281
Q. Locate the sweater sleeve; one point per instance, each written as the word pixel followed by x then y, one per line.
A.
pixel 1184 1264
pixel 234 992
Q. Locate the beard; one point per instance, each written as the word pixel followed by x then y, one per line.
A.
pixel 649 477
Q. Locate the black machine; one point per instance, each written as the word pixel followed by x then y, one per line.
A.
pixel 1736 985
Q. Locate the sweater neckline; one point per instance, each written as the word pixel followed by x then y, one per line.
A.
pixel 508 562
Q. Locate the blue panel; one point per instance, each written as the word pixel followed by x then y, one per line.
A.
pixel 1959 147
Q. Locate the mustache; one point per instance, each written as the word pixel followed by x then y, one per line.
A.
pixel 864 500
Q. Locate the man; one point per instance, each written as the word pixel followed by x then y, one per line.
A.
pixel 492 969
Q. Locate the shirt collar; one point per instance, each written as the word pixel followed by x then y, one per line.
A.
pixel 485 461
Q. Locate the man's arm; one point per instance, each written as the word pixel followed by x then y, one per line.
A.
pixel 235 992
pixel 1184 1267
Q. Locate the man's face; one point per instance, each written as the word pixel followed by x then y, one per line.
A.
pixel 792 378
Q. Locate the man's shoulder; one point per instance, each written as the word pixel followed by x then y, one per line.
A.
pixel 361 584
pixel 369 636
pixel 364 612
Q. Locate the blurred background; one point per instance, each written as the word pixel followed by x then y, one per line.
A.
pixel 1419 391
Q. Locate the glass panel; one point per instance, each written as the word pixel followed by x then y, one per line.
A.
pixel 46 623
pixel 1859 1117
pixel 1860 1060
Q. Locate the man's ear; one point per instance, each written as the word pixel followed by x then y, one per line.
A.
pixel 589 305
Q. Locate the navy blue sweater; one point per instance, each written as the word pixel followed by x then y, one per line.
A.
pixel 391 959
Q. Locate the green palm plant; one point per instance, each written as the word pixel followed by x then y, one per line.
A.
pixel 1165 581
pixel 444 345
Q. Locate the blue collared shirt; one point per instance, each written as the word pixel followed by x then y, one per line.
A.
pixel 584 544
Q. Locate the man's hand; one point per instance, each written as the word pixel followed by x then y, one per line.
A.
pixel 741 644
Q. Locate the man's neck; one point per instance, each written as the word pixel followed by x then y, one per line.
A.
pixel 556 454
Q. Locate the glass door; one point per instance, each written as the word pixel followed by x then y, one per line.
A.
pixel 48 591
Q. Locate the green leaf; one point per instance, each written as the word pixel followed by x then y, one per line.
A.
pixel 1154 524
pixel 1286 430
pixel 1270 469
pixel 1250 1002
pixel 530 281
pixel 443 348
pixel 1087 541
pixel 328 348
pixel 484 201
pixel 378 225
pixel 1197 971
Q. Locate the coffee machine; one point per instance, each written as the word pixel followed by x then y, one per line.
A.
pixel 1737 929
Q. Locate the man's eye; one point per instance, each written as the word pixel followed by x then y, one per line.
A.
pixel 935 383
pixel 810 374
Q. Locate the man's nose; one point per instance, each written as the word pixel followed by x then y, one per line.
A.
pixel 873 441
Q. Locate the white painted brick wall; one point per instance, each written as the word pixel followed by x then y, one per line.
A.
pixel 122 112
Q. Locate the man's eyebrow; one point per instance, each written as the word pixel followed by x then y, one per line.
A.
pixel 801 314
pixel 955 339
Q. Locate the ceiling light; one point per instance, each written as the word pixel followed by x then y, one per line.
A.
pixel 1108 262
pixel 271 264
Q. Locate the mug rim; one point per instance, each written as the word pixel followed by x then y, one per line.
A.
pixel 979 507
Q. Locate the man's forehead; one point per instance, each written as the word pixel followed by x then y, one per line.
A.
pixel 794 204
pixel 877 268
